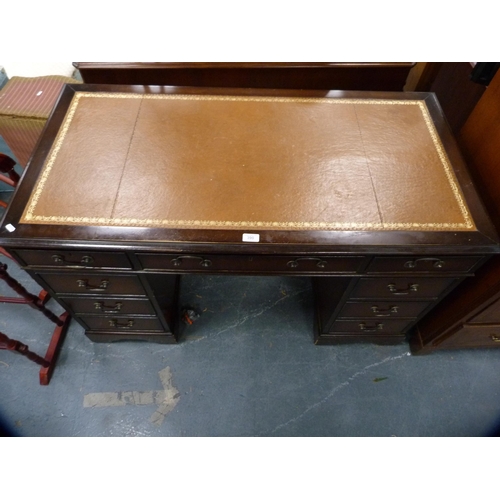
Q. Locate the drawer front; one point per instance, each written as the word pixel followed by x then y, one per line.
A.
pixel 102 284
pixel 489 315
pixel 346 338
pixel 121 323
pixel 401 288
pixel 472 336
pixel 370 326
pixel 376 309
pixel 109 306
pixel 77 259
pixel 441 264
pixel 251 263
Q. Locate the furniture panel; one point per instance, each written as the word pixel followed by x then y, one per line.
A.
pixel 121 323
pixel 346 338
pixel 370 326
pixel 86 283
pixel 110 305
pixel 72 259
pixel 411 287
pixel 469 335
pixel 423 264
pixel 294 264
pixel 107 337
pixel 379 309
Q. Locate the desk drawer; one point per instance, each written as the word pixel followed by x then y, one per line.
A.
pixel 370 326
pixel 440 264
pixel 377 309
pixel 251 263
pixel 109 306
pixel 76 259
pixel 121 323
pixel 86 283
pixel 401 288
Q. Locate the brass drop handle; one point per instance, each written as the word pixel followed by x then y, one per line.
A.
pixel 91 288
pixel 100 306
pixel 412 264
pixel 85 260
pixel 295 263
pixel 495 338
pixel 384 312
pixel 395 291
pixel 378 326
pixel 114 324
pixel 203 262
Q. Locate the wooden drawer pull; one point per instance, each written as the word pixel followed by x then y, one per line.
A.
pixel 91 288
pixel 378 326
pixel 100 306
pixel 203 262
pixel 395 291
pixel 384 312
pixel 495 338
pixel 295 263
pixel 84 261
pixel 114 324
pixel 412 264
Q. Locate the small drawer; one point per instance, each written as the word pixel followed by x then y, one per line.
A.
pixel 101 284
pixel 121 323
pixel 471 336
pixel 376 309
pixel 370 326
pixel 346 338
pixel 442 264
pixel 401 288
pixel 276 264
pixel 109 306
pixel 77 259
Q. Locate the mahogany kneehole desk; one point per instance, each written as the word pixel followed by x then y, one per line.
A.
pixel 132 187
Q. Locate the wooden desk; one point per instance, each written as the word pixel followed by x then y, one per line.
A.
pixel 131 187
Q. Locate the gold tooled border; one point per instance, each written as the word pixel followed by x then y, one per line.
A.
pixel 30 218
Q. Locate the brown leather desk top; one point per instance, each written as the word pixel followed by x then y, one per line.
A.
pixel 248 162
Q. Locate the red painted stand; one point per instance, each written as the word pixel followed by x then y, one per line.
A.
pixel 49 360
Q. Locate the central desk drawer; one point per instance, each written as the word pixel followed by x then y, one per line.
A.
pixel 251 263
pixel 402 288
pixel 101 284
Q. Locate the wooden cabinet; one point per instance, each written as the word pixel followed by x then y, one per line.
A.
pixel 470 315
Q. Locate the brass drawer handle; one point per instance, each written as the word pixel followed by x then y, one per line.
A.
pixel 84 261
pixel 412 264
pixel 203 262
pixel 384 312
pixel 295 263
pixel 91 288
pixel 495 338
pixel 100 306
pixel 378 326
pixel 114 324
pixel 395 291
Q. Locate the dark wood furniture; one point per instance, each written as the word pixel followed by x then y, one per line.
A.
pixel 284 75
pixel 470 315
pixel 364 192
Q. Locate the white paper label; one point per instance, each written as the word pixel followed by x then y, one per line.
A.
pixel 252 238
pixel 10 228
